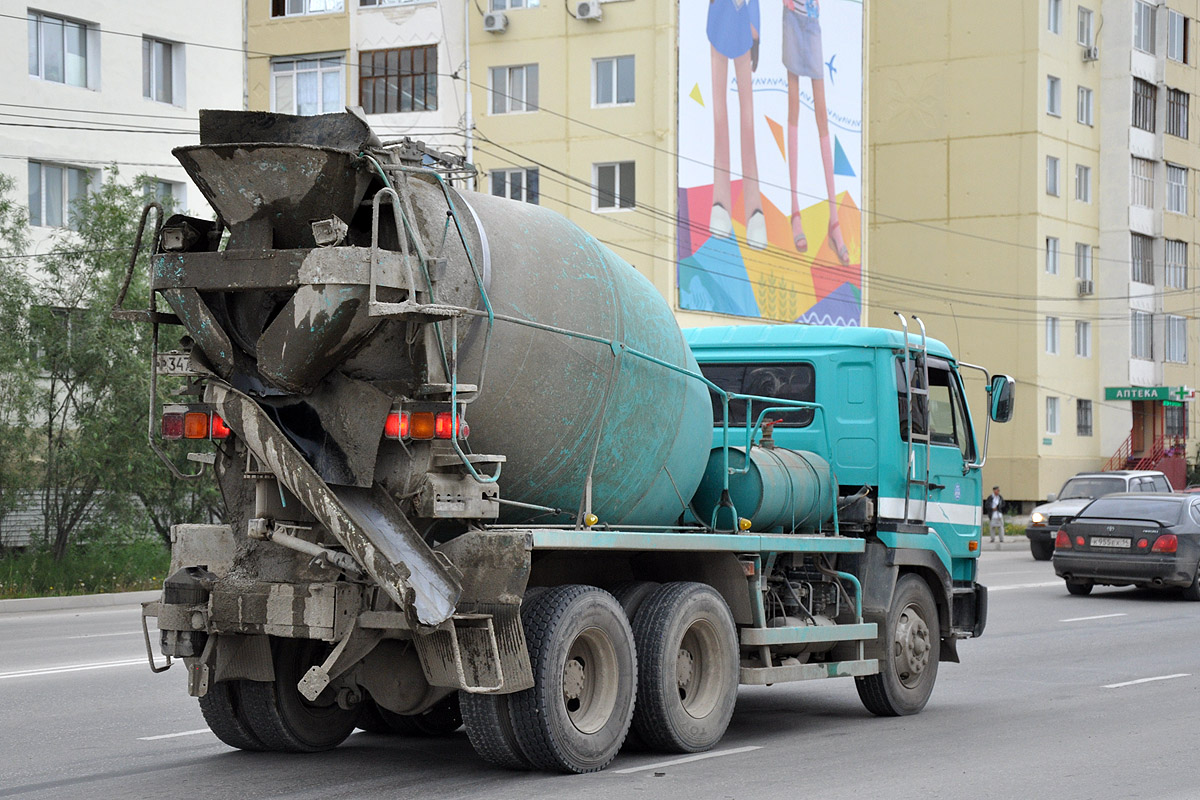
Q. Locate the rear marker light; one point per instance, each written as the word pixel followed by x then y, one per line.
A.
pixel 219 429
pixel 1062 541
pixel 172 426
pixel 1079 541
pixel 1166 543
pixel 422 425
pixel 1143 544
pixel 195 425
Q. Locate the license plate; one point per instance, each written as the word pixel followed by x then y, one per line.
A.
pixel 174 363
pixel 1110 541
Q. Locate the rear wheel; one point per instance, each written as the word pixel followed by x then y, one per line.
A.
pixel 577 714
pixel 1042 551
pixel 490 730
pixel 441 719
pixel 1080 587
pixel 281 717
pixel 1193 592
pixel 221 706
pixel 912 646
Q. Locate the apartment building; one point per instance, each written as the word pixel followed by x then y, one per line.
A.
pixel 106 88
pixel 1032 200
pixel 397 59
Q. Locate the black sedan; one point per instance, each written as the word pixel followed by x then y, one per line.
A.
pixel 1134 539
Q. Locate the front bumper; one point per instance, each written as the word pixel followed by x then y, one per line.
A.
pixel 1041 533
pixel 1125 568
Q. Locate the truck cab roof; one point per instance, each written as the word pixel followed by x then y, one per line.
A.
pixel 758 338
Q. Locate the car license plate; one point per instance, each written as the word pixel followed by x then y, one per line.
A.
pixel 174 363
pixel 1111 541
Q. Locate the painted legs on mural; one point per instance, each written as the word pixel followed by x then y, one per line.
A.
pixel 819 109
pixel 721 222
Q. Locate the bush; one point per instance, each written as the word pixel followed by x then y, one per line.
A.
pixel 103 565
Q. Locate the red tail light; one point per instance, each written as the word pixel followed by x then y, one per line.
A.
pixel 396 426
pixel 219 429
pixel 172 425
pixel 1143 543
pixel 1062 541
pixel 1166 543
pixel 1079 541
pixel 444 427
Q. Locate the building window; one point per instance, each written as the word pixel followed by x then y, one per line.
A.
pixel 1053 96
pixel 299 8
pixel 613 81
pixel 614 185
pixel 307 86
pixel 1176 258
pixel 157 70
pixel 1051 415
pixel 54 191
pixel 1083 183
pixel 1175 421
pixel 514 89
pixel 1142 256
pixel 1140 339
pixel 368 3
pixel 1054 16
pixel 1083 417
pixel 1084 32
pixel 1177 36
pixel 1143 26
pixel 1141 187
pixel 1177 113
pixel 403 79
pixel 169 193
pixel 1176 340
pixel 505 5
pixel 1177 189
pixel 1083 339
pixel 1052 175
pixel 1051 255
pixel 58 50
pixel 1143 104
pixel 1083 106
pixel 516 184
pixel 1083 261
pixel 1052 335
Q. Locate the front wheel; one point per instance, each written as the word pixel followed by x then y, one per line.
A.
pixel 1042 551
pixel 912 645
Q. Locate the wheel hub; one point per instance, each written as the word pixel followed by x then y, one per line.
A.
pixel 573 679
pixel 684 667
pixel 912 646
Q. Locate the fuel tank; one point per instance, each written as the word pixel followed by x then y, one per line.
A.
pixel 777 490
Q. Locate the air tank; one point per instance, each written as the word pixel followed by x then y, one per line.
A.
pixel 558 402
pixel 778 490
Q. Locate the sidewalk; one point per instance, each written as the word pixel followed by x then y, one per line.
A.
pixel 28 604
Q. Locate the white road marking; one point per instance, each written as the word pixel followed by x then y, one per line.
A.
pixel 732 752
pixel 1024 586
pixel 30 673
pixel 1098 616
pixel 1148 680
pixel 173 735
pixel 98 635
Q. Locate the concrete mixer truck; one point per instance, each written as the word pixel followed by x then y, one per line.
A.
pixel 475 475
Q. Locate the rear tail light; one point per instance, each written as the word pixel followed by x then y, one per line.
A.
pixel 183 424
pixel 1079 541
pixel 444 426
pixel 1062 541
pixel 1143 543
pixel 172 425
pixel 396 426
pixel 423 425
pixel 1165 543
pixel 219 429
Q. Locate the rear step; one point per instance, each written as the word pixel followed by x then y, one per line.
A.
pixel 367 522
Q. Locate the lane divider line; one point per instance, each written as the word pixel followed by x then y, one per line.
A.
pixel 98 635
pixel 1024 586
pixel 173 735
pixel 688 759
pixel 31 673
pixel 1098 616
pixel 1148 680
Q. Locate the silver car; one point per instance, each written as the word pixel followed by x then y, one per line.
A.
pixel 1076 493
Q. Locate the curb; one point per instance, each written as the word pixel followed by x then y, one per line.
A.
pixel 27 604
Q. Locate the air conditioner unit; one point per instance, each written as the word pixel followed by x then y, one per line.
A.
pixel 495 22
pixel 1091 53
pixel 1086 288
pixel 587 9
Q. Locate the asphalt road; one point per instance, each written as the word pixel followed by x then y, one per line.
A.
pixel 1063 697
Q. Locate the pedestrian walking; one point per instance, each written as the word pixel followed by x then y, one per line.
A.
pixel 993 510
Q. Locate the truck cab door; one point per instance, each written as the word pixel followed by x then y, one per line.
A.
pixel 954 509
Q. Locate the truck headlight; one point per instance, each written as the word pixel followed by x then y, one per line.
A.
pixel 1038 518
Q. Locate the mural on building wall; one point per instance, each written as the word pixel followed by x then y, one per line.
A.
pixel 770 148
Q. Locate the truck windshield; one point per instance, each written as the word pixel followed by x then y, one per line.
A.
pixel 784 381
pixel 1087 488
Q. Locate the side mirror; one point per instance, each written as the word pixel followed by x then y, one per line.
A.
pixel 1050 498
pixel 1001 398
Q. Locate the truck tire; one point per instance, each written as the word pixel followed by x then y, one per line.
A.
pixel 490 731
pixel 1042 551
pixel 632 594
pixel 688 650
pixel 441 719
pixel 576 715
pixel 281 717
pixel 1080 588
pixel 221 707
pixel 912 645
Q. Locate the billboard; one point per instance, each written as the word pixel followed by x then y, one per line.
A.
pixel 770 159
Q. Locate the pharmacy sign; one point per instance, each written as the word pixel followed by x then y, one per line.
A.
pixel 1175 393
